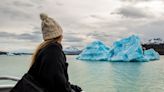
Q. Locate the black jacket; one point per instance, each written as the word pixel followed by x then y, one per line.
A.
pixel 50 69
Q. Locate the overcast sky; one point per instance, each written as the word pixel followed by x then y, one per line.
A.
pixel 83 21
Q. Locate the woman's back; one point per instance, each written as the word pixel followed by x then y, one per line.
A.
pixel 50 68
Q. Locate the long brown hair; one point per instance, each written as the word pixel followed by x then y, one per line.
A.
pixel 42 45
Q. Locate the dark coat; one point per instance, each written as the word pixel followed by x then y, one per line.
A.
pixel 50 69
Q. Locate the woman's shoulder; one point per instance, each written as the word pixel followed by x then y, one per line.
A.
pixel 52 47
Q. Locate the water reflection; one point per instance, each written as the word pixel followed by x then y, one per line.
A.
pixel 126 76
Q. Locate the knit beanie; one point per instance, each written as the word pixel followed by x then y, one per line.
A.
pixel 50 28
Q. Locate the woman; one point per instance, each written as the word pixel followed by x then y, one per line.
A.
pixel 49 65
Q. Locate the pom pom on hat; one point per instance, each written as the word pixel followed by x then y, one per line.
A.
pixel 43 16
pixel 50 28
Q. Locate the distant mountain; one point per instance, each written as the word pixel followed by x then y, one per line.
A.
pixel 157 44
pixel 22 53
pixel 155 41
pixel 14 53
pixel 3 53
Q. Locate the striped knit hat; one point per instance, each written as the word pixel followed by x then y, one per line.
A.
pixel 50 28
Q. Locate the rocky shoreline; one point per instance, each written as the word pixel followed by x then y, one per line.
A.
pixel 3 53
pixel 157 47
pixel 15 53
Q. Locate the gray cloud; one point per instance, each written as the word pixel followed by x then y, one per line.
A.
pixel 14 10
pixel 37 32
pixel 96 17
pixel 13 14
pixel 22 4
pixel 25 36
pixel 6 34
pixel 30 37
pixel 133 12
pixel 72 38
pixel 151 30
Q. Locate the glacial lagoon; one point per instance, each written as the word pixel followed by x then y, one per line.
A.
pixel 99 76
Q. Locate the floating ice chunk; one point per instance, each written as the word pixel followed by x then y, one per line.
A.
pixel 72 51
pixel 151 54
pixel 95 51
pixel 127 49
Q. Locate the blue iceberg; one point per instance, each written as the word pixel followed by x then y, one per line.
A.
pixel 95 51
pixel 127 49
pixel 151 54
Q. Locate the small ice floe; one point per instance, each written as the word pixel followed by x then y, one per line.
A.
pixel 72 51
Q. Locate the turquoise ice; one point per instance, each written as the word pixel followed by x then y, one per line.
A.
pixel 95 51
pixel 151 54
pixel 126 49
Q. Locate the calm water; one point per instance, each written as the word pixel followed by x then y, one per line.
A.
pixel 99 76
